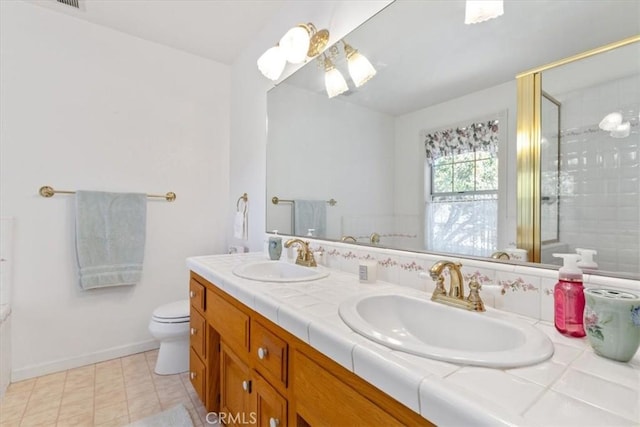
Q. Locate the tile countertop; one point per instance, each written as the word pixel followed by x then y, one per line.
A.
pixel 574 387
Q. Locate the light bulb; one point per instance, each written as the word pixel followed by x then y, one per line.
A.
pixel 482 10
pixel 621 131
pixel 295 44
pixel 360 69
pixel 272 62
pixel 611 121
pixel 334 82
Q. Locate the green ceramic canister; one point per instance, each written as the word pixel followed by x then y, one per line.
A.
pixel 612 322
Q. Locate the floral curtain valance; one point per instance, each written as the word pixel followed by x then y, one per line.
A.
pixel 481 136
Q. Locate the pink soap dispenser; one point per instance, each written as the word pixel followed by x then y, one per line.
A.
pixel 568 296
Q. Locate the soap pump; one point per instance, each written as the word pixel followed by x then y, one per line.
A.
pixel 586 258
pixel 568 296
pixel 275 246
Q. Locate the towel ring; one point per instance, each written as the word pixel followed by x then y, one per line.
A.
pixel 243 198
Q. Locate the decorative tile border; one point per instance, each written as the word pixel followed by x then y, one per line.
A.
pixel 524 290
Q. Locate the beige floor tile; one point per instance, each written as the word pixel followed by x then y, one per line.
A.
pixel 167 381
pixel 118 422
pixel 76 408
pixel 77 421
pixel 109 364
pixel 47 389
pixel 143 401
pixel 44 417
pixel 109 376
pixel 143 413
pixel 14 398
pixel 12 413
pixel 21 386
pixel 105 400
pixel 110 413
pixel 9 423
pixel 114 386
pixel 58 377
pixel 140 376
pixel 43 404
pixel 81 393
pixel 140 389
pixel 167 395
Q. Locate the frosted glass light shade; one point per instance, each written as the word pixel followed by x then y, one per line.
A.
pixel 611 121
pixel 360 69
pixel 482 10
pixel 621 131
pixel 295 44
pixel 272 62
pixel 334 81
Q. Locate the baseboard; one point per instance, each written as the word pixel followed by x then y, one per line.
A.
pixel 85 359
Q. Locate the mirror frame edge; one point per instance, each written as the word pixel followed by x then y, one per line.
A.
pixel 528 131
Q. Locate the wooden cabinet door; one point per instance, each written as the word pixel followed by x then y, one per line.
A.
pixel 270 407
pixel 235 388
pixel 197 374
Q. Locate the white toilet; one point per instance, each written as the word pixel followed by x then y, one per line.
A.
pixel 170 325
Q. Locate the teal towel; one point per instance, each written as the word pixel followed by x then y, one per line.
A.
pixel 110 237
pixel 310 214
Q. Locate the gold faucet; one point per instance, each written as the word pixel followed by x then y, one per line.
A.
pixel 374 238
pixel 305 256
pixel 500 255
pixel 455 297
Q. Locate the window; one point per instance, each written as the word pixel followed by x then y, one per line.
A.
pixel 462 204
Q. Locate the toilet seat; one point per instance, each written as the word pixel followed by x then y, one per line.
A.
pixel 175 312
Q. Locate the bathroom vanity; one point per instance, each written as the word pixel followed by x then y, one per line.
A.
pixel 279 354
pixel 250 369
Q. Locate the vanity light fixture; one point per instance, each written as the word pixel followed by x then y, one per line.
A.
pixel 482 10
pixel 334 81
pixel 300 42
pixel 360 69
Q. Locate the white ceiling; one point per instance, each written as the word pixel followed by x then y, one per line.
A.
pixel 215 29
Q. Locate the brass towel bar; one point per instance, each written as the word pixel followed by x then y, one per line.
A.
pixel 47 191
pixel 275 200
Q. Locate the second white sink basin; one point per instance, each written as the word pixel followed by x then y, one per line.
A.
pixel 277 271
pixel 430 329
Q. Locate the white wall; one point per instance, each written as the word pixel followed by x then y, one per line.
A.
pixel 85 107
pixel 410 156
pixel 249 105
pixel 360 179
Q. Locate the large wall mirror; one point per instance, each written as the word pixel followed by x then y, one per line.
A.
pixel 579 127
pixel 423 156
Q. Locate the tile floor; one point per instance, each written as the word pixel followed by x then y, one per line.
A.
pixel 111 393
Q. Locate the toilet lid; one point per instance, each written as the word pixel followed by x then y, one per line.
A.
pixel 175 311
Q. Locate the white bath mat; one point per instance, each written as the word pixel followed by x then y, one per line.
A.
pixel 178 416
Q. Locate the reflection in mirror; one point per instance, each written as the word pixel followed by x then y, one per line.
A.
pixel 365 148
pixel 598 163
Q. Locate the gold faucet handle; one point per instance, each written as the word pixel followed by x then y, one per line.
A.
pixel 474 295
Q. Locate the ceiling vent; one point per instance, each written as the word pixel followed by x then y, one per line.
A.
pixel 78 4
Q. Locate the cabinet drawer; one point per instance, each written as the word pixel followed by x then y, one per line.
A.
pixel 197 374
pixel 270 352
pixel 197 295
pixel 198 334
pixel 229 321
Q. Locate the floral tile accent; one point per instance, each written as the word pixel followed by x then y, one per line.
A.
pixel 412 266
pixel 517 285
pixel 387 263
pixel 521 294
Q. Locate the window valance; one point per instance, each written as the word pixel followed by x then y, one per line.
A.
pixel 480 136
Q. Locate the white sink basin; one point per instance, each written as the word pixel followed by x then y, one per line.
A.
pixel 276 271
pixel 430 329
